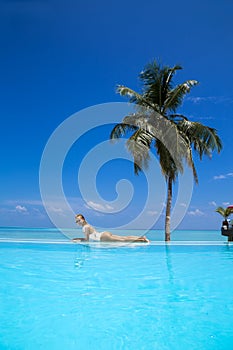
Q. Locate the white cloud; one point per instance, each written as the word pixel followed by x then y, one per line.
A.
pixel 212 99
pixel 213 203
pixel 54 207
pixel 196 99
pixel 56 204
pixel 199 118
pixel 24 201
pixel 196 212
pixel 56 210
pixel 98 206
pixel 183 205
pixel 21 209
pixel 152 212
pixel 219 177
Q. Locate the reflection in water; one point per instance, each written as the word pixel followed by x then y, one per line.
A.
pixel 168 259
pixel 227 253
pixel 82 255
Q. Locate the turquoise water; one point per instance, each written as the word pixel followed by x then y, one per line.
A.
pixel 71 296
pixel 42 234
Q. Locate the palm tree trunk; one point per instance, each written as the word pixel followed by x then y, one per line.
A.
pixel 168 210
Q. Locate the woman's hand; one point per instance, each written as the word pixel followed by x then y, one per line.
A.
pixel 78 239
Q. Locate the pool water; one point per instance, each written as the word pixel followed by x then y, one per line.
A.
pixel 71 296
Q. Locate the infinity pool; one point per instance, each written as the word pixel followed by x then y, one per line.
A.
pixel 71 296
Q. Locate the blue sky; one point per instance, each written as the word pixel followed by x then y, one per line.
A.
pixel 59 57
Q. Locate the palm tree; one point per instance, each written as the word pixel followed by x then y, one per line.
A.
pixel 157 125
pixel 224 212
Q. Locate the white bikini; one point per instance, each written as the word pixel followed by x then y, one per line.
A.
pixel 94 236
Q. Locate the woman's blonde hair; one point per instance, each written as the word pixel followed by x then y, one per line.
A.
pixel 81 216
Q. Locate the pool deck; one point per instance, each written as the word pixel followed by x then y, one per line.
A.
pixel 109 244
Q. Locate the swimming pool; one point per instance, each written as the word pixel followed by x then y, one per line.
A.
pixel 71 296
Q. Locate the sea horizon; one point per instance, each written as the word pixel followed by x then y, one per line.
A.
pixel 55 234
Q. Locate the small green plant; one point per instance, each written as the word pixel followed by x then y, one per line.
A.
pixel 225 212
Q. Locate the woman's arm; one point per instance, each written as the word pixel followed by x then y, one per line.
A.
pixel 87 232
pixel 79 239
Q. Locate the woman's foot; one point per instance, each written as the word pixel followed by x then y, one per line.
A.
pixel 143 239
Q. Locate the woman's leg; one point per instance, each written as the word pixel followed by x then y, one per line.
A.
pixel 109 237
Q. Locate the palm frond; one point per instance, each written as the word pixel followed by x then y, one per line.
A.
pixel 133 96
pixel 168 166
pixel 192 165
pixel 171 72
pixel 154 126
pixel 169 135
pixel 139 145
pixel 203 138
pixel 121 129
pixel 157 82
pixel 177 117
pixel 157 123
pixel 175 96
pixel 225 212
pixel 153 72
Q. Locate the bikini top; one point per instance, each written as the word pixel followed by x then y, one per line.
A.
pixel 92 229
pixel 94 235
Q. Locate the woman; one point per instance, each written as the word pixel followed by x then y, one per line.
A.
pixel 91 234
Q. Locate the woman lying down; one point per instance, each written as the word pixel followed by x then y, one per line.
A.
pixel 92 235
